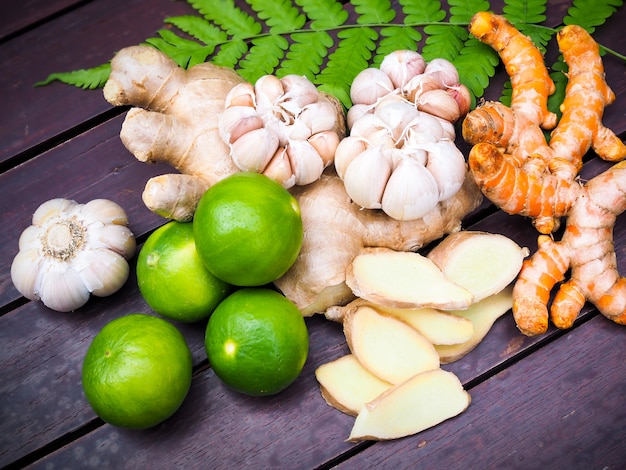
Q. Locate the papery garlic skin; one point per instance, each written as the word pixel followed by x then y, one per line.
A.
pixel 400 155
pixel 283 128
pixel 72 251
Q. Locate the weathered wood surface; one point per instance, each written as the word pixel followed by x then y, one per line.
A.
pixel 554 401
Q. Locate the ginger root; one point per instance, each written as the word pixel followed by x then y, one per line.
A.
pixel 175 121
pixel 522 174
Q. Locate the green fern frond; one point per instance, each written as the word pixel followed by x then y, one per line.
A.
pixel 199 28
pixel 374 11
pixel 87 79
pixel 422 11
pixel 443 41
pixel 306 54
pixel 396 38
pixel 185 52
pixel 224 13
pixel 525 11
pixel 476 64
pixel 590 14
pixel 461 11
pixel 352 55
pixel 263 57
pixel 324 14
pixel 280 15
pixel 559 77
pixel 230 53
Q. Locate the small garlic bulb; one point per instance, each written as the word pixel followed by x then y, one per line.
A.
pixel 73 250
pixel 283 128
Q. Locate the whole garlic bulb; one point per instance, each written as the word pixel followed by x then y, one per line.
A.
pixel 282 127
pixel 73 250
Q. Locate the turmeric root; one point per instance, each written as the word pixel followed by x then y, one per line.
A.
pixel 179 124
pixel 510 160
pixel 587 249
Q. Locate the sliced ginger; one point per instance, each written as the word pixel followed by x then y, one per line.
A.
pixel 421 402
pixel 347 385
pixel 389 348
pixel 404 280
pixel 484 263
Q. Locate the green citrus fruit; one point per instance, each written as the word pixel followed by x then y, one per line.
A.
pixel 248 229
pixel 172 277
pixel 257 341
pixel 137 371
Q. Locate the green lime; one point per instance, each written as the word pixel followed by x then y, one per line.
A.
pixel 137 371
pixel 257 341
pixel 248 229
pixel 172 277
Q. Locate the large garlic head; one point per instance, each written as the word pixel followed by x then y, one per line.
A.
pixel 401 160
pixel 282 127
pixel 73 250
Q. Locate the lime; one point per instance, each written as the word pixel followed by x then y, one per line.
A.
pixel 137 371
pixel 172 277
pixel 257 341
pixel 248 229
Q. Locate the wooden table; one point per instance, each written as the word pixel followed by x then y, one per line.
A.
pixel 554 401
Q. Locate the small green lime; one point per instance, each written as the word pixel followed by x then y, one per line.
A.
pixel 248 229
pixel 172 277
pixel 137 371
pixel 257 341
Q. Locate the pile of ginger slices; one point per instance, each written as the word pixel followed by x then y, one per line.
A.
pixel 412 314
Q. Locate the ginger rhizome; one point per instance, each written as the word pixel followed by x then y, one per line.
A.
pixel 175 120
pixel 522 173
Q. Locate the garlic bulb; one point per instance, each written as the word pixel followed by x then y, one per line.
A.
pixel 73 250
pixel 400 156
pixel 282 127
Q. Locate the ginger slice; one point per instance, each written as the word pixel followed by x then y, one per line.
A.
pixel 419 403
pixel 404 280
pixel 347 386
pixel 483 263
pixel 482 314
pixel 389 348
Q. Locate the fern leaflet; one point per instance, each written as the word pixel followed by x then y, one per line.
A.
pixel 263 57
pixel 374 11
pixel 87 79
pixel 229 17
pixel 591 13
pixel 422 11
pixel 280 15
pixel 306 54
pixel 325 14
pixel 395 38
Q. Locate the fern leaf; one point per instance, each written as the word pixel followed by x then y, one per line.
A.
pixel 263 57
pixel 591 13
pixel 87 79
pixel 422 11
pixel 199 28
pixel 230 53
pixel 186 53
pixel 395 38
pixel 229 17
pixel 306 54
pixel 476 64
pixel 444 40
pixel 539 35
pixel 351 56
pixel 280 15
pixel 559 78
pixel 373 11
pixel 525 11
pixel 461 11
pixel 325 14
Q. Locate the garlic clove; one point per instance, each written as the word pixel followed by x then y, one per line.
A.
pixel 348 149
pixel 421 84
pixel 325 143
pixel 372 128
pixel 253 150
pixel 29 238
pixel 299 130
pixel 462 96
pixel 102 271
pixel 52 208
pixel 439 103
pixel 424 128
pixel 306 163
pixel 268 89
pixel 236 121
pixel 447 165
pixel 279 169
pixel 299 92
pixel 61 287
pixel 356 111
pixel 117 238
pixel 366 177
pixel 103 211
pixel 396 117
pixel 443 70
pixel 402 65
pixel 25 272
pixel 319 116
pixel 369 85
pixel 241 94
pixel 411 192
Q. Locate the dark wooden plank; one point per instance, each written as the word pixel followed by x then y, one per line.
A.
pixel 85 37
pixel 19 15
pixel 93 165
pixel 561 407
